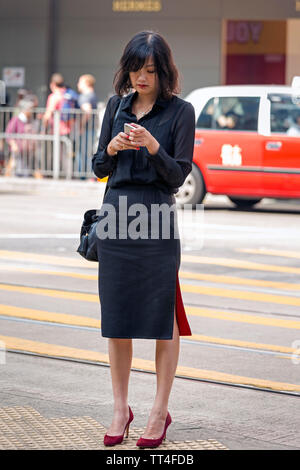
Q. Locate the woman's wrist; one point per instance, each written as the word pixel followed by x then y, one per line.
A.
pixel 153 147
pixel 110 151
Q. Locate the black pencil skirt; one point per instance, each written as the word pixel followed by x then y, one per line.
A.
pixel 138 284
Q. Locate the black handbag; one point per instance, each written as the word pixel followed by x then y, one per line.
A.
pixel 88 236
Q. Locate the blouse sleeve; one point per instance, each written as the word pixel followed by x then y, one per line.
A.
pixel 175 168
pixel 102 163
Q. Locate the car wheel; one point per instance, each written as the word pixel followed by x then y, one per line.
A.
pixel 244 203
pixel 193 189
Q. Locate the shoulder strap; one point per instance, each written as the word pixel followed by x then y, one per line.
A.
pixel 118 110
pixel 116 113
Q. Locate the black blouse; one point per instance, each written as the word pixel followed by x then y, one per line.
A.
pixel 171 122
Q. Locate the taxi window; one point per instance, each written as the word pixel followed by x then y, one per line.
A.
pixel 205 118
pixel 285 114
pixel 230 113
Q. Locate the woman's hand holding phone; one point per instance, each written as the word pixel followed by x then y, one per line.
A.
pixel 118 143
pixel 141 137
pixel 136 136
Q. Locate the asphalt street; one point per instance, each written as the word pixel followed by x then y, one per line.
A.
pixel 238 379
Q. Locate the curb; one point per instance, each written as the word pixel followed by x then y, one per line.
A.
pixel 33 184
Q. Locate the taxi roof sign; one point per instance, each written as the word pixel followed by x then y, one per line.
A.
pixel 296 82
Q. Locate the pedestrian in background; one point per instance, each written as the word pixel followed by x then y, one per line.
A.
pixel 55 101
pixel 22 151
pixel 64 99
pixel 24 93
pixel 139 289
pixel 87 102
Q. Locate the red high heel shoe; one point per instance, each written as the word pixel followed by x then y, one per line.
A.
pixel 142 442
pixel 113 440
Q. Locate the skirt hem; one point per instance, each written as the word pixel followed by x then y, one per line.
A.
pixel 182 321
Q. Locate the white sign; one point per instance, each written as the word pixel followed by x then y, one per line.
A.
pixel 140 5
pixel 244 31
pixel 231 155
pixel 14 76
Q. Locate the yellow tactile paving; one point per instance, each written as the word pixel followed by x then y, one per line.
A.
pixel 22 427
pixel 46 349
pixel 77 320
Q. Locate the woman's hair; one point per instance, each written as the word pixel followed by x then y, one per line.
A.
pixel 57 79
pixel 142 46
pixel 89 79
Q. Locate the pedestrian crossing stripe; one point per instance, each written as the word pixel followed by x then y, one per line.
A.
pixel 42 315
pixel 77 320
pixel 271 252
pixel 55 350
pixel 194 289
pixel 68 261
pixel 215 278
pixel 48 259
pixel 240 264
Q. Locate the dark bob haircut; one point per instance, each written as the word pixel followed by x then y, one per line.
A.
pixel 143 45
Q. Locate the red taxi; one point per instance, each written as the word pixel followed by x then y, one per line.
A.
pixel 247 144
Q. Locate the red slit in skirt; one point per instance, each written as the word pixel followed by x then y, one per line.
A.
pixel 183 324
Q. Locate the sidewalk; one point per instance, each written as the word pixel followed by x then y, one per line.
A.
pixel 51 403
pixel 16 184
pixel 73 414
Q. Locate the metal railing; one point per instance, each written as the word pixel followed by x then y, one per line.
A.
pixel 61 149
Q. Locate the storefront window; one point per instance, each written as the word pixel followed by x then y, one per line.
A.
pixel 255 52
pixel 260 52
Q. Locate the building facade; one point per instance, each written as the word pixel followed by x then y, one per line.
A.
pixel 215 42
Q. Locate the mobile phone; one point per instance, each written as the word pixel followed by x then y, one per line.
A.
pixel 128 128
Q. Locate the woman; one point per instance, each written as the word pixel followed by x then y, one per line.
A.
pixel 22 150
pixel 138 277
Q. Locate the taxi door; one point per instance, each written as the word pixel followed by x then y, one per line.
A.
pixel 281 158
pixel 228 148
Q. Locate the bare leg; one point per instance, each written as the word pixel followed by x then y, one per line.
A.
pixel 166 359
pixel 120 357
